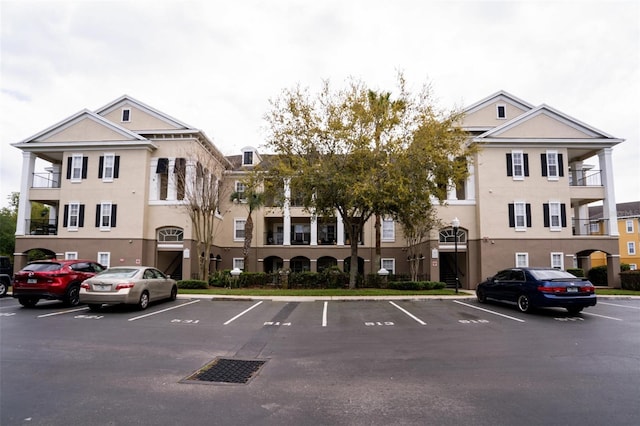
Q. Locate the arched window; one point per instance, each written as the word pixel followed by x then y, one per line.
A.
pixel 447 236
pixel 170 235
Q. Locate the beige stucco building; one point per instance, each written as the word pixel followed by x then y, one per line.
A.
pixel 109 181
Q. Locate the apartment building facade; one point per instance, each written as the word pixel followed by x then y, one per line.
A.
pixel 110 184
pixel 629 227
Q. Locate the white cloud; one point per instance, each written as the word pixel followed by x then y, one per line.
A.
pixel 215 64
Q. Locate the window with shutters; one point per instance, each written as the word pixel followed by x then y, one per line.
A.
pixel 106 215
pixel 517 165
pixel 108 168
pixel 555 215
pixel 552 165
pixel 77 167
pixel 520 215
pixel 73 216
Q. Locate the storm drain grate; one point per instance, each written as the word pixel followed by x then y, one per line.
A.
pixel 228 370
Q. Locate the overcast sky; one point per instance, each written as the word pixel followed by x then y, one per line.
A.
pixel 215 64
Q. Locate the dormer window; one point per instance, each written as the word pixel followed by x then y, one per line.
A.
pixel 501 112
pixel 247 158
pixel 126 115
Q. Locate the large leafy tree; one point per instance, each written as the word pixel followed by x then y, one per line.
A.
pixel 253 199
pixel 8 219
pixel 361 153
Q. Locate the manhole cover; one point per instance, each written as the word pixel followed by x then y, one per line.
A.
pixel 227 370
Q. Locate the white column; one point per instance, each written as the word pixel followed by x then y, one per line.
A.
pixel 340 229
pixel 172 189
pixel 609 203
pixel 286 215
pixel 24 203
pixel 470 186
pixel 314 230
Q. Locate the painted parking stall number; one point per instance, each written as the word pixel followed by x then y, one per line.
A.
pixel 276 323
pixel 89 316
pixel 569 319
pixel 378 323
pixel 480 321
pixel 181 321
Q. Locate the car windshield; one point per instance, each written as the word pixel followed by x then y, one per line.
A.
pixel 118 273
pixel 551 274
pixel 38 267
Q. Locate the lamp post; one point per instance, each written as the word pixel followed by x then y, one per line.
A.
pixel 455 223
pixel 235 273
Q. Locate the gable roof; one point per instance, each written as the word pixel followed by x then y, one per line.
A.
pixel 501 96
pixel 126 99
pixel 624 210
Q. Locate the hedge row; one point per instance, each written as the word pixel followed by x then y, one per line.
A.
pixel 630 280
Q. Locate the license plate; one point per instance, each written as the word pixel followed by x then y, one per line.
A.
pixel 32 280
pixel 102 287
pixel 572 289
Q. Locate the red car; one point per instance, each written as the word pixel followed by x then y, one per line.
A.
pixel 53 280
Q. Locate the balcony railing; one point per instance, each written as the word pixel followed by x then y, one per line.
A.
pixel 584 177
pixel 46 180
pixel 590 227
pixel 42 226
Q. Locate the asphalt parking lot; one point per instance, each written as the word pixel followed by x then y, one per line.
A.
pixel 434 361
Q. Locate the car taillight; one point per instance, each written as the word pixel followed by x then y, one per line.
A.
pixel 85 286
pixel 124 285
pixel 552 289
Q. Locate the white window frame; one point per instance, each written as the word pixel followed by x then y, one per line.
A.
pixel 388 230
pixel 108 167
pixel 555 212
pixel 104 258
pixel 520 211
pixel 522 260
pixel 239 225
pixel 238 262
pixel 128 117
pixel 73 216
pixel 629 226
pixel 631 247
pixel 552 162
pixel 76 168
pixel 389 263
pixel 504 109
pixel 241 188
pixel 558 263
pixel 633 266
pixel 244 155
pixel 105 213
pixel 70 255
pixel 519 155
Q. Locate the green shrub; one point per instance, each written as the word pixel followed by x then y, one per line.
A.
pixel 630 280
pixel 200 284
pixel 576 272
pixel 333 277
pixel 416 285
pixel 625 267
pixel 598 275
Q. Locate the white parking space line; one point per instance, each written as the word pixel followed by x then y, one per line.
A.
pixel 62 312
pixel 163 310
pixel 242 313
pixel 615 304
pixel 601 316
pixel 324 314
pixel 488 311
pixel 409 313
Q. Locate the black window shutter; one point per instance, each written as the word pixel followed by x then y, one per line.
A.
pixel 525 159
pixel 116 166
pixel 512 215
pixel 545 212
pixel 560 166
pixel 81 218
pixel 563 214
pixel 65 219
pixel 543 161
pixel 509 165
pixel 163 165
pixel 114 211
pixel 98 215
pixel 528 209
pixel 100 166
pixel 85 164
pixel 69 161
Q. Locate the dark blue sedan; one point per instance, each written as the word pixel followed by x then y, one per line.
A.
pixel 530 288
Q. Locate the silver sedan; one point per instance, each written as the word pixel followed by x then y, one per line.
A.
pixel 135 285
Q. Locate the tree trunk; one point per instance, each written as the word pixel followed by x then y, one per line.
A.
pixel 248 236
pixel 378 244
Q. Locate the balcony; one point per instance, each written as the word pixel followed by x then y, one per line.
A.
pixel 586 186
pixel 590 227
pixel 45 180
pixel 42 226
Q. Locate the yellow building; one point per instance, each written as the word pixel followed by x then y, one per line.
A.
pixel 629 227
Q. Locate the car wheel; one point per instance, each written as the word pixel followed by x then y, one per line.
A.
pixel 144 301
pixel 95 307
pixel 482 298
pixel 524 303
pixel 28 302
pixel 174 293
pixel 72 297
pixel 574 310
pixel 3 288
